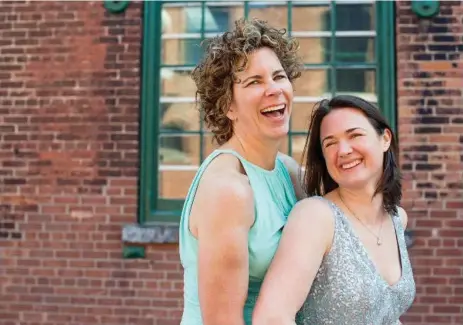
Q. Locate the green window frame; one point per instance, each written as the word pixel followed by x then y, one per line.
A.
pixel 153 209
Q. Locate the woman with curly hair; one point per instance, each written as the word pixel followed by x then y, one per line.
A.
pixel 243 192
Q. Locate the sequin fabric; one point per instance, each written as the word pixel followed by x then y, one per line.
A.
pixel 348 290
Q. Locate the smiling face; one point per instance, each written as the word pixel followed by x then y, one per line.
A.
pixel 262 99
pixel 352 148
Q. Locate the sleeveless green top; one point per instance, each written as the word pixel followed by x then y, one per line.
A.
pixel 274 197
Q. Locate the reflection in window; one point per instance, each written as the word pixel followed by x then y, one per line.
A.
pixel 352 17
pixel 216 20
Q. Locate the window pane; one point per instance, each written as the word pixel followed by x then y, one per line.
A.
pixel 179 149
pixel 178 117
pixel 185 26
pixel 313 49
pixel 313 83
pixel 176 51
pixel 177 15
pixel 297 144
pixel 178 162
pixel 276 15
pixel 360 82
pixel 174 184
pixel 309 17
pixel 355 17
pixel 223 15
pixel 284 146
pixel 177 83
pixel 209 145
pixel 300 117
pixel 355 49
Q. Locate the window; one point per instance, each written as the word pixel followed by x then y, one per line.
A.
pixel 347 47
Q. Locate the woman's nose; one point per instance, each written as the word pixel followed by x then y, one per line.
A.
pixel 274 91
pixel 344 148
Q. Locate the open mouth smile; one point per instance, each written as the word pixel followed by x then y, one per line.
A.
pixel 351 165
pixel 274 111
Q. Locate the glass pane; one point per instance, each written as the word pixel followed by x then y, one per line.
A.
pixel 209 145
pixel 307 17
pixel 178 162
pixel 183 28
pixel 177 51
pixel 284 146
pixel 178 117
pixel 300 117
pixel 177 83
pixel 313 49
pixel 313 83
pixel 174 183
pixel 177 16
pixel 298 143
pixel 355 17
pixel 179 150
pixel 360 82
pixel 276 15
pixel 220 16
pixel 355 49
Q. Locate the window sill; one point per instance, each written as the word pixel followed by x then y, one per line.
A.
pixel 150 233
pixel 136 237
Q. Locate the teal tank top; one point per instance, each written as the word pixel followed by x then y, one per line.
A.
pixel 274 197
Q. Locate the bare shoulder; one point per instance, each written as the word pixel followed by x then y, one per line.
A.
pixel 296 173
pixel 403 216
pixel 314 210
pixel 224 196
pixel 225 173
pixel 311 221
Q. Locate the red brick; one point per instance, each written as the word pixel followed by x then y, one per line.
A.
pixel 70 191
pixel 433 213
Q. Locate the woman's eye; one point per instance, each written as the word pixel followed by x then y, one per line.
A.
pixel 280 76
pixel 254 82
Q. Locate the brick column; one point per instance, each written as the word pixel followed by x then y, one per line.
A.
pixel 430 118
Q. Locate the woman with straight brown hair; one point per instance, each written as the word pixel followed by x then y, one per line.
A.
pixel 342 258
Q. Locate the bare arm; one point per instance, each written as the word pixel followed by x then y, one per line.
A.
pixel 296 173
pixel 306 238
pixel 225 214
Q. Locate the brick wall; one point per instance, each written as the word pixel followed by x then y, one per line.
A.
pixel 69 95
pixel 430 98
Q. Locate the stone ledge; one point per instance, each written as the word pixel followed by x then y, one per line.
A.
pixel 162 233
pixel 167 233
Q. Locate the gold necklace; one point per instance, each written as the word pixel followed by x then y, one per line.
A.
pixel 378 237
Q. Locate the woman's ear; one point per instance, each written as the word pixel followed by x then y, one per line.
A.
pixel 387 137
pixel 231 113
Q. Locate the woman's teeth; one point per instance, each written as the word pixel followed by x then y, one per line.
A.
pixel 274 111
pixel 273 108
pixel 351 164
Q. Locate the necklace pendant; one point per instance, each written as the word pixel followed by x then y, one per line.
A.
pixel 378 241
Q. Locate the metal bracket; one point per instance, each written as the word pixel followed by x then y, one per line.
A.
pixel 116 7
pixel 131 252
pixel 425 9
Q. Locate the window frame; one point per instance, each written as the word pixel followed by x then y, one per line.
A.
pixel 153 210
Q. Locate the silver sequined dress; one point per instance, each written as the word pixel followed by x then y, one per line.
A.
pixel 348 290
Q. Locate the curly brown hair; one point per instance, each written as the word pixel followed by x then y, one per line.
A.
pixel 227 54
